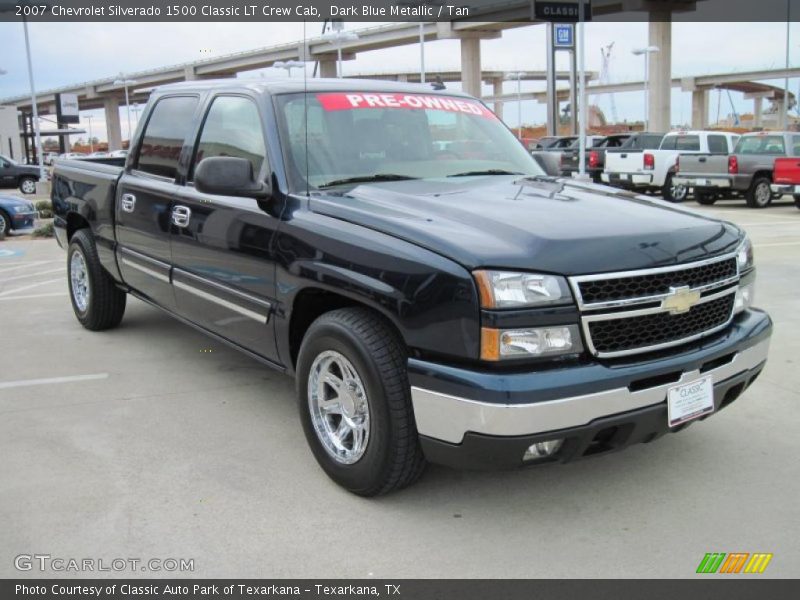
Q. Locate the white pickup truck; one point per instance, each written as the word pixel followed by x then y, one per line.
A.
pixel 652 170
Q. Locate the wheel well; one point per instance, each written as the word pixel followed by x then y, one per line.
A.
pixel 310 304
pixel 759 174
pixel 75 222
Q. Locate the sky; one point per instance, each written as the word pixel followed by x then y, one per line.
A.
pixel 69 53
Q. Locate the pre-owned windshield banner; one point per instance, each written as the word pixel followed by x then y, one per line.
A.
pixel 358 100
pixel 452 12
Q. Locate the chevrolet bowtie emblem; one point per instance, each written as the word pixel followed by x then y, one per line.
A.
pixel 680 300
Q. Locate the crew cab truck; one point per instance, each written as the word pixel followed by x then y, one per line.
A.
pixel 444 303
pixel 13 174
pixel 654 170
pixel 786 178
pixel 596 155
pixel 747 172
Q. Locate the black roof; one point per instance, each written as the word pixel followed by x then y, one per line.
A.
pixel 296 85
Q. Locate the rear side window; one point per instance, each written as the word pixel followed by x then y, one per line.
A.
pixel 717 144
pixel 167 128
pixel 232 128
pixel 796 145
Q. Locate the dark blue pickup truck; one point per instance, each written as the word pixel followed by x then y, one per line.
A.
pixel 435 295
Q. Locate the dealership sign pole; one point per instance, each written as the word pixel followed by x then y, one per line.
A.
pixel 40 158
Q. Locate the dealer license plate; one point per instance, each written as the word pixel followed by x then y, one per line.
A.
pixel 690 401
pixel 624 176
pixel 701 182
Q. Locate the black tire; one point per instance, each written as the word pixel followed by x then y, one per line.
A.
pixel 760 194
pixel 706 198
pixel 27 185
pixel 105 302
pixel 392 458
pixel 797 201
pixel 676 195
pixel 5 224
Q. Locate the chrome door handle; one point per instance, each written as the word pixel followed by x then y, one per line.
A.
pixel 128 202
pixel 181 216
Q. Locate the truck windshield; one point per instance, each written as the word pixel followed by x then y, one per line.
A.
pixel 332 139
pixel 760 144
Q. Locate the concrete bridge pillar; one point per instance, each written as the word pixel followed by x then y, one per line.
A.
pixel 699 109
pixel 113 128
pixel 660 72
pixel 471 66
pixel 497 90
pixel 758 112
pixel 327 68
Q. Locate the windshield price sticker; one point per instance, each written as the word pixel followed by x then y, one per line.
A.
pixel 352 101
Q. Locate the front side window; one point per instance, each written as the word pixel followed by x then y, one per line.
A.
pixel 167 128
pixel 329 138
pixel 232 128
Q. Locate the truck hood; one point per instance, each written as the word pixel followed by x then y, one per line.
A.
pixel 556 226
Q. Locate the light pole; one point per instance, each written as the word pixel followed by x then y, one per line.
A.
pixel 136 108
pixel 34 108
pixel 288 65
pixel 91 143
pixel 646 52
pixel 126 82
pixel 785 119
pixel 337 36
pixel 511 77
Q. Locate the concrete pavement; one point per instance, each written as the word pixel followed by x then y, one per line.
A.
pixel 157 442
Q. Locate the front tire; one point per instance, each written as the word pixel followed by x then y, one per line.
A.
pixel 98 303
pixel 760 193
pixel 5 224
pixel 355 402
pixel 27 185
pixel 674 193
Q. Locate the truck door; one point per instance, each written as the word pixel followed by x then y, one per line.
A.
pixel 224 270
pixel 8 178
pixel 145 196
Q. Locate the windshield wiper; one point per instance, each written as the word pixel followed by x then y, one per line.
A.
pixel 367 179
pixel 486 172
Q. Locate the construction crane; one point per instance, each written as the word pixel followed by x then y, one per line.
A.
pixel 605 77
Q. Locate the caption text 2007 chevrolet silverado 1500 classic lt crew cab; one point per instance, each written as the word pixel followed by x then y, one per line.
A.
pixel 397 250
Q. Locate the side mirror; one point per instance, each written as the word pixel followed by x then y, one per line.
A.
pixel 229 176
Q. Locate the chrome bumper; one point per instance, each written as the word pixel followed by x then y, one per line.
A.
pixel 702 182
pixel 449 418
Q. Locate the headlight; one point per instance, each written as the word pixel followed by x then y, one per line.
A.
pixel 745 296
pixel 744 256
pixel 499 344
pixel 504 289
pixel 21 208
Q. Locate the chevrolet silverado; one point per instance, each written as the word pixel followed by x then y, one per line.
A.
pixel 398 251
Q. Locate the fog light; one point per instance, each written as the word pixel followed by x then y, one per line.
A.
pixel 542 450
pixel 745 296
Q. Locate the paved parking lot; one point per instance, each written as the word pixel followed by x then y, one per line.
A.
pixel 155 442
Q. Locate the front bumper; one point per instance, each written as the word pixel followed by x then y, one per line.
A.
pixel 628 180
pixel 21 221
pixel 482 419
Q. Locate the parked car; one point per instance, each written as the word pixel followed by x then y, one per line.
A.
pixel 747 172
pixel 16 214
pixel 432 306
pixel 13 174
pixel 654 170
pixel 118 154
pixel 545 142
pixel 99 154
pixel 786 178
pixel 50 157
pixel 549 155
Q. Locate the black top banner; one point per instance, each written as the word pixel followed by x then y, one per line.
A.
pixel 399 10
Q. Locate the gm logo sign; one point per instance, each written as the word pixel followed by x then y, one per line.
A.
pixel 734 563
pixel 564 36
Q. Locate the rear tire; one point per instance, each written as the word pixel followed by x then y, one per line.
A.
pixel 706 198
pixel 674 193
pixel 356 348
pixel 5 224
pixel 760 194
pixel 98 303
pixel 27 185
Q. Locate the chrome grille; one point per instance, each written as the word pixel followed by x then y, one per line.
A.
pixel 636 311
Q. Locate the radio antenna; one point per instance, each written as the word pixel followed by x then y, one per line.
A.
pixel 305 102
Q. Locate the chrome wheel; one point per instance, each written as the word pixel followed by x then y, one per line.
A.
pixel 678 192
pixel 2 225
pixel 28 186
pixel 763 194
pixel 79 280
pixel 337 401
